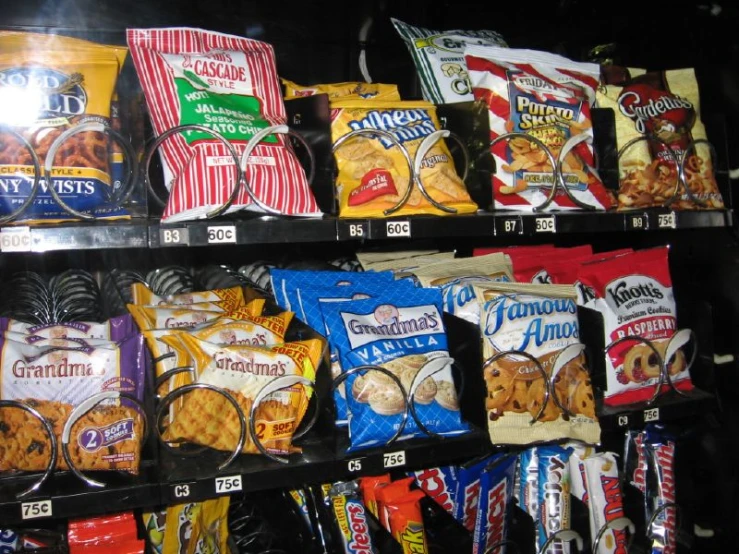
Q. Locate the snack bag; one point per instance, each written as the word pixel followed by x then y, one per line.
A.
pixel 373 172
pixel 529 482
pixel 152 317
pixel 540 320
pixel 548 97
pixel 404 333
pixel 376 91
pixel 60 82
pixel 144 296
pixel 440 61
pixel 54 380
pixel 350 518
pixel 664 104
pixel 496 495
pixel 633 292
pixel 207 418
pixel 197 527
pixel 154 526
pixel 258 330
pixel 406 265
pixel 660 453
pixel 456 278
pixel 554 494
pixel 369 257
pixel 228 84
pixel 115 329
pixel 604 500
pixel 440 484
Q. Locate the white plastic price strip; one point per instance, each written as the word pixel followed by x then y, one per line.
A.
pixel 222 234
pixel 36 509
pixel 545 225
pixel 393 459
pixel 15 239
pixel 174 237
pixel 398 229
pixel 228 485
pixel 651 415
pixel 667 221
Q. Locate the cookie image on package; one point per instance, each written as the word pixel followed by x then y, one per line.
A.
pixel 446 395
pixel 641 364
pixel 387 401
pixel 499 384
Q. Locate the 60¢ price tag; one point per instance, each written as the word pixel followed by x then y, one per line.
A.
pixel 545 225
pixel 222 234
pixel 15 239
pixel 227 485
pixel 37 509
pixel 398 229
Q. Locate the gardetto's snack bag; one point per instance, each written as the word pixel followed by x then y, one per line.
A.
pixel 373 172
pixel 548 97
pixel 230 85
pixel 439 59
pixel 666 105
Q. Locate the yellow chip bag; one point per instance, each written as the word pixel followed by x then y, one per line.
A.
pixel 207 418
pixel 144 296
pixel 376 91
pixel 197 527
pixel 185 317
pixel 51 84
pixel 373 172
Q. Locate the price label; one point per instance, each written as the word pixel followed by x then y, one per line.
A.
pixel 353 231
pixel 623 421
pixel 181 491
pixel 636 222
pixel 174 237
pixel 667 221
pixel 651 415
pixel 227 485
pixel 393 459
pixel 508 226
pixel 35 510
pixel 222 234
pixel 354 465
pixel 398 229
pixel 15 239
pixel 545 225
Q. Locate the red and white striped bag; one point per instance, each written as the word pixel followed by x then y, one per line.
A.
pixel 230 85
pixel 548 97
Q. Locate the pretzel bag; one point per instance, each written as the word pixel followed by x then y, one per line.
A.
pixel 373 172
pixel 665 105
pixel 634 294
pixel 228 84
pixel 51 84
pixel 547 97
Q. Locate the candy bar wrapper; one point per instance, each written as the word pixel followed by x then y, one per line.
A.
pixel 298 496
pixel 660 451
pixel 387 494
pixel 605 500
pixel 406 522
pixel 554 494
pixel 368 487
pixel 529 482
pixel 351 518
pixel 496 494
pixel 636 460
pixel 579 487
pixel 439 483
pixel 468 492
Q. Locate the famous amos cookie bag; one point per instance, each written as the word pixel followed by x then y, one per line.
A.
pixel 374 176
pixel 634 295
pixel 547 97
pixel 403 333
pixel 537 325
pixel 230 85
pixel 664 105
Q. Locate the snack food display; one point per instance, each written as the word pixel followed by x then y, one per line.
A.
pixel 373 172
pixel 664 105
pixel 228 84
pixel 539 321
pixel 55 84
pixel 547 97
pixel 439 59
pixel 634 294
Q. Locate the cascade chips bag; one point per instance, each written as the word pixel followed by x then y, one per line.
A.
pixel 665 104
pixel 377 91
pixel 230 85
pixel 373 173
pixel 50 84
pixel 548 97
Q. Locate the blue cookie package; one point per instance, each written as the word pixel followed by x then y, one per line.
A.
pixel 286 281
pixel 401 330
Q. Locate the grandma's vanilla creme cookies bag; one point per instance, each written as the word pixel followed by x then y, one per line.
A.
pixel 373 172
pixel 230 85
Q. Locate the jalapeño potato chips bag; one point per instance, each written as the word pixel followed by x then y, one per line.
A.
pixel 373 173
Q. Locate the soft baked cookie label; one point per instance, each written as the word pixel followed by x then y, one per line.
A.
pixel 402 331
pixel 544 326
pixel 634 294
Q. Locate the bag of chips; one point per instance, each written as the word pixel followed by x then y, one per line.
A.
pixel 548 97
pixel 440 61
pixel 377 91
pixel 373 172
pixel 230 85
pixel 666 105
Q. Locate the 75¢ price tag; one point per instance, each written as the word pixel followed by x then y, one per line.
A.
pixel 393 459
pixel 228 485
pixel 36 509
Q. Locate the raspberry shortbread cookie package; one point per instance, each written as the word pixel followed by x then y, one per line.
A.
pixel 633 292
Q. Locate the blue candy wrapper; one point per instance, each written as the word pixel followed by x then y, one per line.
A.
pixel 285 282
pixel 554 495
pixel 496 494
pixel 403 331
pixel 528 470
pixel 440 484
pixel 468 491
